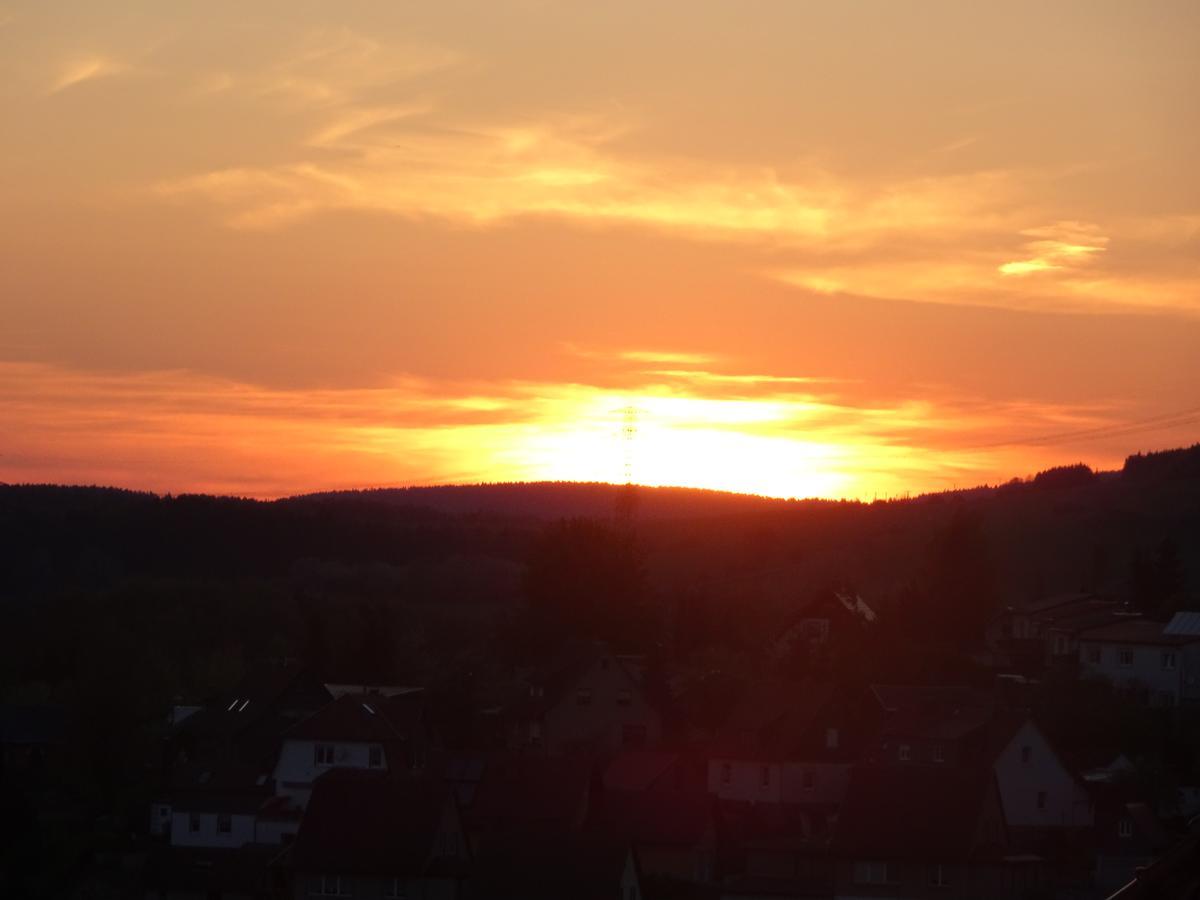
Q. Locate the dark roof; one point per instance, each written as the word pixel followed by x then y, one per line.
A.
pixel 226 786
pixel 526 791
pixel 370 823
pixel 1137 631
pixel 32 724
pixel 920 812
pixel 244 871
pixel 776 719
pixel 666 818
pixel 908 698
pixel 1175 875
pixel 258 695
pixel 354 717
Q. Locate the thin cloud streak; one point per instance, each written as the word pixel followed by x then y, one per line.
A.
pixel 181 431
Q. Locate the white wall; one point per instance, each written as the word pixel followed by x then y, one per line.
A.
pixel 241 831
pixel 297 769
pixel 1067 803
pixel 1146 669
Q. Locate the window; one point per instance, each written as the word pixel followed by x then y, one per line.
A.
pixel 1093 655
pixel 1125 828
pixel 1125 658
pixel 395 889
pixel 938 876
pixel 535 734
pixel 224 823
pixel 375 757
pixel 323 754
pixel 765 777
pixel 1026 755
pixel 1041 800
pixel 604 663
pixel 807 780
pixel 583 696
pixel 939 753
pixel 624 697
pixel 331 886
pixel 831 738
pixel 726 773
pixel 633 736
pixel 1168 659
pixel 194 822
pixel 873 873
pixel 904 753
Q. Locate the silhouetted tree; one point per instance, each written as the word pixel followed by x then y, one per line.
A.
pixel 585 579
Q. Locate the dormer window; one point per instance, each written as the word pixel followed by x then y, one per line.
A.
pixel 583 696
pixel 624 697
pixel 1125 828
pixel 904 753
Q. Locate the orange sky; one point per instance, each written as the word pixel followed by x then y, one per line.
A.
pixel 824 248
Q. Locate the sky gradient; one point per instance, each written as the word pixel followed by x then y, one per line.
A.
pixel 843 249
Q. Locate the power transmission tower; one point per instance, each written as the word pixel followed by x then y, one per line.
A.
pixel 626 502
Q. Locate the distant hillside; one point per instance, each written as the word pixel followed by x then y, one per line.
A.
pixel 1064 529
pixel 554 500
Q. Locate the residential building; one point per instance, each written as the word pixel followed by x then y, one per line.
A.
pixel 374 834
pixel 590 700
pixel 926 831
pixel 1159 664
pixel 787 742
pixel 353 732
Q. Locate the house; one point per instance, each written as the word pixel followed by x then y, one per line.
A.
pixel 673 832
pixel 787 742
pixel 524 828
pixel 1160 665
pixel 211 805
pixel 353 732
pixel 829 617
pixel 378 834
pixel 774 851
pixel 926 831
pixel 590 700
pixel 247 724
pixel 946 726
pixel 1128 836
pixel 1046 632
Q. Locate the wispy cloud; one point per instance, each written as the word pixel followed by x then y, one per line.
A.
pixel 1058 246
pixel 88 68
pixel 175 430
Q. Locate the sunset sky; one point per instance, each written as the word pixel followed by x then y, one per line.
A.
pixel 833 248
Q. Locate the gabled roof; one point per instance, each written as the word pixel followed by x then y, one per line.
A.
pixel 257 695
pixel 366 719
pixel 776 719
pixel 919 812
pixel 1185 622
pixel 370 823
pixel 677 818
pixel 223 786
pixel 531 792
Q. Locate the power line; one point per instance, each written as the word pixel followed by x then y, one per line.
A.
pixel 1116 429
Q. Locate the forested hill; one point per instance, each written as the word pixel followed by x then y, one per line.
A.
pixel 1065 529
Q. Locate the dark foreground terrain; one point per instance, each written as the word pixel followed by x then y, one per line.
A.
pixel 569 690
